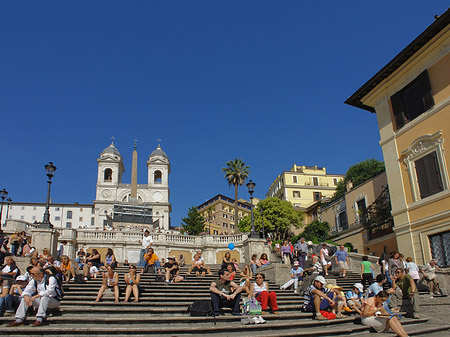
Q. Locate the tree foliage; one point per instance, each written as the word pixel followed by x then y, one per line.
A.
pixel 358 174
pixel 279 215
pixel 317 231
pixel 194 223
pixel 236 172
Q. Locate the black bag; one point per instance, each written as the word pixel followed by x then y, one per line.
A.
pixel 159 278
pixel 79 279
pixel 200 308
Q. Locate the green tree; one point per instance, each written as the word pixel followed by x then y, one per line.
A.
pixel 358 174
pixel 194 223
pixel 317 231
pixel 236 172
pixel 279 215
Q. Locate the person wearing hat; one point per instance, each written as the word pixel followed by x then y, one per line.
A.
pixel 318 297
pixel 172 270
pixel 11 302
pixel 296 276
pixel 354 297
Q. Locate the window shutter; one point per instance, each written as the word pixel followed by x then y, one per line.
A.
pixel 422 178
pixel 398 106
pixel 434 173
pixel 425 86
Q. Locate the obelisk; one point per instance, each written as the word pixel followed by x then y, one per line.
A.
pixel 133 196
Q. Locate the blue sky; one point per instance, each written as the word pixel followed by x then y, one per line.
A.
pixel 264 81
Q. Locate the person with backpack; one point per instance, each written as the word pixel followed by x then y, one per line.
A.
pixel 9 274
pixel 43 292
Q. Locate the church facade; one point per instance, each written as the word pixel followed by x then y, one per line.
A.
pixel 132 205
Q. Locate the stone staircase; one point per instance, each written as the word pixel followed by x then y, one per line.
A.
pixel 162 311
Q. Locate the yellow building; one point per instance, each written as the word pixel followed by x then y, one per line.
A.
pixel 219 214
pixel 411 99
pixel 304 185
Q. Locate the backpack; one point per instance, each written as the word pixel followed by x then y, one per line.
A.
pixel 159 278
pixel 58 289
pixel 79 279
pixel 251 307
pixel 200 308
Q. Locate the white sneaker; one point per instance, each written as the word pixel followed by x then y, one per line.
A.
pixel 72 279
pixel 85 278
pixel 261 320
pixel 255 320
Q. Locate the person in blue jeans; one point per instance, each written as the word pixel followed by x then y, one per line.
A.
pixel 11 302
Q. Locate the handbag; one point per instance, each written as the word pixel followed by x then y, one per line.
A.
pixel 251 307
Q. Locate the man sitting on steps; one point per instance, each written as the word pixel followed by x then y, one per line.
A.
pixel 222 296
pixel 40 292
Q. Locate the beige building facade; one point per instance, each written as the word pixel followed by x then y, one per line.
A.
pixel 358 217
pixel 411 99
pixel 219 214
pixel 304 185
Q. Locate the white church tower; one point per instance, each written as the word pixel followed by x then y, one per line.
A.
pixel 134 205
pixel 158 165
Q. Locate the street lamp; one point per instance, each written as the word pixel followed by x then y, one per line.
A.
pixel 261 211
pixel 50 171
pixel 9 201
pixel 251 188
pixel 3 194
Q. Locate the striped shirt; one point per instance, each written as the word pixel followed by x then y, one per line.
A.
pixel 309 296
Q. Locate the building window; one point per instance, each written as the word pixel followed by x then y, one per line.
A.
pixel 34 217
pixel 21 217
pixel 56 209
pixel 81 218
pixel 92 222
pixel 316 196
pixel 294 179
pixel 23 207
pixel 225 225
pixel 57 218
pixel 225 216
pixel 315 181
pixel 296 194
pixel 216 232
pixel 335 181
pixel 440 248
pixel 426 166
pixel 412 101
pixel 68 225
pixel 34 208
pixel 428 175
pixel 108 175
pixel 297 205
pixel 81 210
pixel 93 210
pixel 69 214
pixel 343 221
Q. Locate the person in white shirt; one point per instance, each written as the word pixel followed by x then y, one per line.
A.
pixel 41 293
pixel 146 242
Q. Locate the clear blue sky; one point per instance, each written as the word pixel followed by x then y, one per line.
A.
pixel 264 81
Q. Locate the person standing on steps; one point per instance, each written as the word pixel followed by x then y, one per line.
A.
pixel 146 242
pixel 341 257
pixel 301 248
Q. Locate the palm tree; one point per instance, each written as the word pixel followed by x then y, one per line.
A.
pixel 236 172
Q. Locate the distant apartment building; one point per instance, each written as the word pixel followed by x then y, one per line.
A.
pixel 411 99
pixel 219 214
pixel 304 185
pixel 61 215
pixel 363 217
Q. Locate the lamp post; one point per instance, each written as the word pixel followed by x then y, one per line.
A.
pixel 3 194
pixel 251 188
pixel 9 201
pixel 261 211
pixel 50 169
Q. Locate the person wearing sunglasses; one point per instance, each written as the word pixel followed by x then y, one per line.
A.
pixel 406 295
pixel 41 292
pixel 260 291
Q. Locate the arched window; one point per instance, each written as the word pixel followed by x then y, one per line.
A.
pixel 108 175
pixel 157 177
